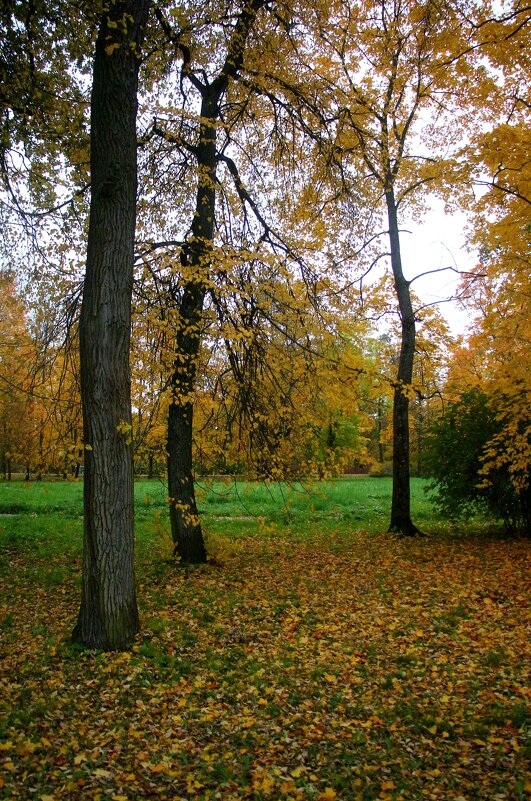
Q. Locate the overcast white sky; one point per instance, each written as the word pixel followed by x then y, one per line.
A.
pixel 438 241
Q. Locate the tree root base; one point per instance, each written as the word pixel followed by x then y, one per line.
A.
pixel 405 529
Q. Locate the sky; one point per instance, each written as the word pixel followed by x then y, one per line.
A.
pixel 437 242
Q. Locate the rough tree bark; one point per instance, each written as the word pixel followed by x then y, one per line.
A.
pixel 108 616
pixel 401 501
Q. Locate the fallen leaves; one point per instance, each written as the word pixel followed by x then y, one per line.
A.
pixel 287 670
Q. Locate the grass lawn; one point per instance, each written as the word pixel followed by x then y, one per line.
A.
pixel 314 658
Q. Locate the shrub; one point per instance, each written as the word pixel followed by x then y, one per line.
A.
pixel 456 450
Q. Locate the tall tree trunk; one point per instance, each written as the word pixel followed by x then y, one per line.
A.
pixel 196 258
pixel 108 615
pixel 401 501
pixel 185 524
pixel 186 529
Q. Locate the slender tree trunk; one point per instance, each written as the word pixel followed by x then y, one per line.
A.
pixel 185 524
pixel 401 502
pixel 196 258
pixel 108 616
pixel 186 529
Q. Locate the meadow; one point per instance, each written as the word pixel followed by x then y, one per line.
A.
pixel 315 656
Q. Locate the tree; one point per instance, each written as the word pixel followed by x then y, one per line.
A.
pixel 44 51
pixel 195 263
pixel 432 346
pixel 108 616
pixel 388 74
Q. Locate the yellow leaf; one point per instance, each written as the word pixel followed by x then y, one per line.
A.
pixel 192 785
pixel 160 767
pixel 287 787
pixel 100 773
pixel 327 795
pixel 388 785
pixel 263 784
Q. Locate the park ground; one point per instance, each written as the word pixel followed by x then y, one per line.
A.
pixel 315 657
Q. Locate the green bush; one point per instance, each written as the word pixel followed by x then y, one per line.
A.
pixel 456 448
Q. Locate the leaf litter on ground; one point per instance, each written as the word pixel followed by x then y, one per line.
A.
pixel 352 667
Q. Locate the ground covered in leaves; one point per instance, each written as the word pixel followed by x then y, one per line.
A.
pixel 319 667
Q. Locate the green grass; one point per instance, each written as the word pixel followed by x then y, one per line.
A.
pixel 356 498
pixel 234 508
pixel 21 497
pixel 360 501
